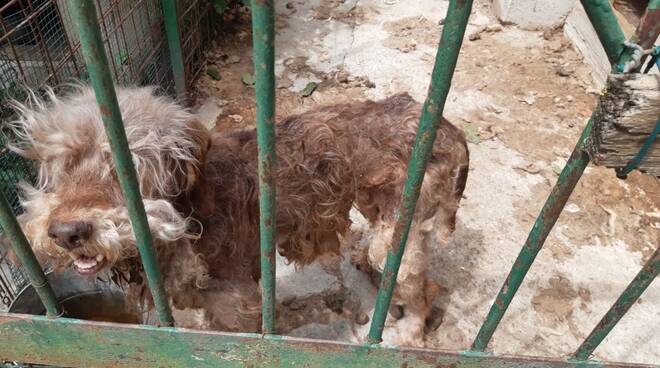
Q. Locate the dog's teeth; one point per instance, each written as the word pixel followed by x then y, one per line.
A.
pixel 99 258
pixel 85 263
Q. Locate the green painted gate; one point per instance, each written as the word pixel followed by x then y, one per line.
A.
pixel 59 341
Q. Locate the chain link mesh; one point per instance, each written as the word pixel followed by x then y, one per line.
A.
pixel 39 47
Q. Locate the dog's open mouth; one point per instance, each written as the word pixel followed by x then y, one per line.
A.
pixel 89 265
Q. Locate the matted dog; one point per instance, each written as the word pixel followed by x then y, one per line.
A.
pixel 201 196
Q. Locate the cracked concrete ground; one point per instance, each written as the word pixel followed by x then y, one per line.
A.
pixel 522 97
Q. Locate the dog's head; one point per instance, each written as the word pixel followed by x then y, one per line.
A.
pixel 76 213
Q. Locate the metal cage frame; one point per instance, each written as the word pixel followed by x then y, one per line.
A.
pixel 39 47
pixel 54 340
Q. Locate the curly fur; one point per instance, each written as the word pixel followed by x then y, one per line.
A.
pixel 201 198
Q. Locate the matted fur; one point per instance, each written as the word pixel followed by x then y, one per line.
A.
pixel 201 198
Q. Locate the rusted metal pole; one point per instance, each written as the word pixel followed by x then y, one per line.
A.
pixel 602 18
pixel 84 15
pixel 635 289
pixel 263 40
pixel 443 71
pixel 174 46
pixel 568 179
pixel 610 34
pixel 22 249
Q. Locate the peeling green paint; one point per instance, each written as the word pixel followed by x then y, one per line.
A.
pixel 23 251
pixel 607 28
pixel 263 40
pixel 443 71
pixel 609 32
pixel 66 342
pixel 84 15
pixel 633 291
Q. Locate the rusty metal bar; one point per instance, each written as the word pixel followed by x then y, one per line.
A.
pixel 74 343
pixel 263 39
pixel 609 31
pixel 23 22
pixel 107 35
pixel 13 48
pixel 633 291
pixel 602 18
pixel 22 249
pixel 174 46
pixel 446 58
pixel 119 29
pixel 7 5
pixel 84 14
pixel 649 28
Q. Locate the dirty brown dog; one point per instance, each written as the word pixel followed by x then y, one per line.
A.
pixel 201 197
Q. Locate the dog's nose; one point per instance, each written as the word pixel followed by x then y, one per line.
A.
pixel 69 235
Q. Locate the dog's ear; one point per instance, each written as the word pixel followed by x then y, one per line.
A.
pixel 197 196
pixel 193 169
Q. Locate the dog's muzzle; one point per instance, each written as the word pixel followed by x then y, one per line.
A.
pixel 70 235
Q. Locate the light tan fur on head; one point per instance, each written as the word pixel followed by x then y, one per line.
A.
pixel 330 159
pixel 77 179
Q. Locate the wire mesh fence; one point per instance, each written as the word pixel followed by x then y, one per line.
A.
pixel 39 47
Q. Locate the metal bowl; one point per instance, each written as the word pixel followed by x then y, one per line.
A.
pixel 81 297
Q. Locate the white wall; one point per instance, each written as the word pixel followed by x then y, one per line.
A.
pixel 533 14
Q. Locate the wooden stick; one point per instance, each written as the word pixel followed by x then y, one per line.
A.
pixel 625 116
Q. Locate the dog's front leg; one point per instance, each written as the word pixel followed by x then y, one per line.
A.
pixel 233 306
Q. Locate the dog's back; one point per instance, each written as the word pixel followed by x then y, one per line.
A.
pixel 329 159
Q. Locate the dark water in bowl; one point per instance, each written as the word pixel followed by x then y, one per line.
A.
pixel 82 298
pixel 100 307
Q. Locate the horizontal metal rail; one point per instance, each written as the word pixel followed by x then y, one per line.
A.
pixel 611 36
pixel 443 71
pixel 84 15
pixel 568 179
pixel 633 291
pixel 263 39
pixel 80 343
pixel 74 343
pixel 21 247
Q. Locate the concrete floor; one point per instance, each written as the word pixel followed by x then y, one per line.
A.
pixel 523 98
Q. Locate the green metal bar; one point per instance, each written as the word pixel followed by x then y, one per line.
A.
pixel 263 39
pixel 73 343
pixel 84 15
pixel 568 179
pixel 639 157
pixel 629 296
pixel 174 45
pixel 649 28
pixel 24 253
pixel 608 32
pixel 602 18
pixel 443 71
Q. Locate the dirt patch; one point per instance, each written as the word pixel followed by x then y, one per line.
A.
pixel 232 58
pixel 339 10
pixel 407 33
pixel 336 303
pixel 555 302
